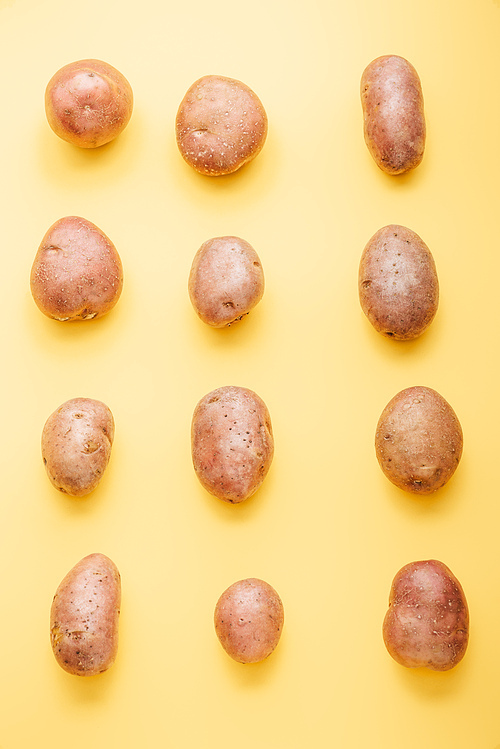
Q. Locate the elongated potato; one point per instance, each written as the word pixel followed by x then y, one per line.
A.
pixel 393 114
pixel 84 617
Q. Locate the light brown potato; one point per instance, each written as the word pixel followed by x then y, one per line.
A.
pixel 77 273
pixel 393 114
pixel 88 103
pixel 249 620
pixel 418 440
pixel 398 284
pixel 427 623
pixel 84 617
pixel 231 442
pixel 76 445
pixel 226 281
pixel 220 126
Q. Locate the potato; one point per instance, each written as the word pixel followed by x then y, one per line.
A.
pixel 418 440
pixel 231 442
pixel 220 125
pixel 398 283
pixel 84 617
pixel 393 114
pixel 249 620
pixel 88 103
pixel 226 281
pixel 427 623
pixel 76 445
pixel 77 273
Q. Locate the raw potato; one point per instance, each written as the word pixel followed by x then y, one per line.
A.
pixel 249 620
pixel 398 283
pixel 76 445
pixel 88 103
pixel 427 623
pixel 220 126
pixel 418 440
pixel 77 273
pixel 393 114
pixel 231 442
pixel 84 617
pixel 226 280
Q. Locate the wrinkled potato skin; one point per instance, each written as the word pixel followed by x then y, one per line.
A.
pixel 77 273
pixel 398 283
pixel 226 281
pixel 76 445
pixel 88 103
pixel 393 114
pixel 249 620
pixel 427 623
pixel 84 617
pixel 220 125
pixel 418 440
pixel 231 442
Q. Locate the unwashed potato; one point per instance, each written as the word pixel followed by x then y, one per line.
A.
pixel 77 273
pixel 418 440
pixel 76 445
pixel 84 617
pixel 231 442
pixel 88 103
pixel 226 280
pixel 393 114
pixel 427 623
pixel 398 283
pixel 220 125
pixel 249 620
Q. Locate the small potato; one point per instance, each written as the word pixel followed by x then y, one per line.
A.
pixel 76 445
pixel 231 443
pixel 427 623
pixel 84 617
pixel 88 103
pixel 418 440
pixel 226 281
pixel 393 114
pixel 77 273
pixel 398 283
pixel 220 126
pixel 249 620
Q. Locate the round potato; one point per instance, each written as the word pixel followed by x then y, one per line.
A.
pixel 398 284
pixel 220 126
pixel 249 620
pixel 427 623
pixel 88 103
pixel 231 443
pixel 84 617
pixel 418 440
pixel 77 273
pixel 393 114
pixel 226 281
pixel 76 445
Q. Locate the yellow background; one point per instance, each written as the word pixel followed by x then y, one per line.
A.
pixel 327 529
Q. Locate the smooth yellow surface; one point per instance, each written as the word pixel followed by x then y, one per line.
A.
pixel 327 529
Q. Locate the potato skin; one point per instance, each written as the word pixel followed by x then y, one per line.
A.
pixel 232 442
pixel 226 281
pixel 398 283
pixel 84 617
pixel 221 125
pixel 393 114
pixel 77 272
pixel 76 445
pixel 418 440
pixel 249 620
pixel 427 623
pixel 88 103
